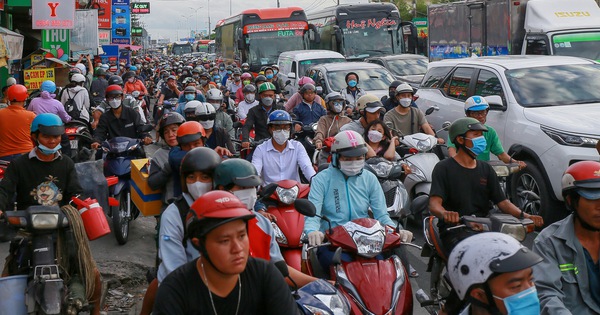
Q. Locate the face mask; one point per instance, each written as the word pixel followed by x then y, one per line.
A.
pixel 130 80
pixel 45 150
pixel 352 83
pixel 114 103
pixel 236 79
pixel 375 136
pixel 267 101
pixel 247 196
pixel 216 106
pixel 195 77
pixel 207 124
pixel 198 189
pixel 352 168
pixel 190 97
pixel 479 145
pixel 246 82
pixel 392 94
pixel 221 68
pixel 184 72
pixel 203 82
pixel 250 98
pixel 524 302
pixel 275 72
pixel 229 72
pixel 405 102
pixel 281 136
pixel 337 107
pixel 269 76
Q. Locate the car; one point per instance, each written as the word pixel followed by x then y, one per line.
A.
pixel 407 68
pixel 372 78
pixel 294 64
pixel 544 108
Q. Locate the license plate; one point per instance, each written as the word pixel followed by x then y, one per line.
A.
pixel 74 144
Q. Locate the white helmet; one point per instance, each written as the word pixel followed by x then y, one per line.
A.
pixel 476 103
pixel 191 106
pixel 476 258
pixel 205 109
pixel 214 94
pixel 404 88
pixel 349 143
pixel 78 78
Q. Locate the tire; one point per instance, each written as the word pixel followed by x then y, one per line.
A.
pixel 531 179
pixel 119 219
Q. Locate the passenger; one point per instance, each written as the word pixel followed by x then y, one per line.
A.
pixel 296 99
pixel 330 124
pixel 46 102
pixel 258 115
pixel 370 108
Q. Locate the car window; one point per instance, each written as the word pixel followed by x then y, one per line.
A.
pixel 488 84
pixel 458 85
pixel 536 47
pixel 408 66
pixel 368 79
pixel 434 77
pixel 375 61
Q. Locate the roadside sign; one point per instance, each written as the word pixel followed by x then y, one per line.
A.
pixel 140 8
pixel 52 14
pixel 121 22
pixel 58 42
pixel 34 78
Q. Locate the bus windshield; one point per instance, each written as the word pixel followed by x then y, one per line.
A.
pixel 265 47
pixel 583 45
pixel 366 39
pixel 181 49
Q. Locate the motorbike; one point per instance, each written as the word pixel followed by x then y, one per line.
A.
pixel 80 139
pixel 280 200
pixel 388 174
pixel 167 106
pixel 140 107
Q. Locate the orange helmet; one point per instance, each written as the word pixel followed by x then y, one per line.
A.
pixel 214 209
pixel 16 93
pixel 190 131
pixel 584 178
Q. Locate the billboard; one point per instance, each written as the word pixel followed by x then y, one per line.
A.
pixel 140 8
pixel 121 22
pixel 47 15
pixel 136 31
pixel 34 78
pixel 111 55
pixel 58 42
pixel 85 34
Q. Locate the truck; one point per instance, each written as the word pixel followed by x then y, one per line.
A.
pixel 514 27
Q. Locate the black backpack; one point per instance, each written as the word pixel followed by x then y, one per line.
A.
pixel 71 106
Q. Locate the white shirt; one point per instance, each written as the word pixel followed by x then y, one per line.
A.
pixel 274 166
pixel 243 108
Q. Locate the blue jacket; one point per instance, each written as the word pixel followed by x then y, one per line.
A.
pixel 309 114
pixel 344 199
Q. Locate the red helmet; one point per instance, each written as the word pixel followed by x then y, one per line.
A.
pixel 246 75
pixel 114 90
pixel 584 178
pixel 16 93
pixel 218 204
pixel 190 131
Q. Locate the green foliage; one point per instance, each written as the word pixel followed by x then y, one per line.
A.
pixel 406 8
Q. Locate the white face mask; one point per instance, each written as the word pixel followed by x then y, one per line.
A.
pixel 207 124
pixel 114 103
pixel 352 168
pixel 198 189
pixel 281 136
pixel 250 98
pixel 247 196
pixel 375 136
pixel 405 102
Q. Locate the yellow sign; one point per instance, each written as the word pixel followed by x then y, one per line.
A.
pixel 34 78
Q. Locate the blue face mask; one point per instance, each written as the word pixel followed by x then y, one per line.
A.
pixel 275 71
pixel 524 302
pixel 269 76
pixel 216 78
pixel 352 83
pixel 190 97
pixel 479 145
pixel 45 150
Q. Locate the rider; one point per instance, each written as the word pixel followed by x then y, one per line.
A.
pixel 189 94
pixel 493 273
pixel 352 92
pixel 330 124
pixel 14 124
pixel 46 102
pixel 80 96
pixel 222 118
pixel 216 137
pixel 133 84
pixel 247 102
pixel 258 115
pixel 205 84
pixel 390 101
pixel 296 99
pixel 477 107
pixel 217 226
pixel 98 87
pixel 236 83
pixel 309 110
pixel 245 67
pixel 461 185
pixel 370 108
pixel 568 279
pixel 246 80
pixel 281 157
pixel 169 90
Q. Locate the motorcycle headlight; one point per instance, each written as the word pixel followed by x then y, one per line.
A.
pixel 316 311
pixel 118 147
pixel 44 221
pixel 369 241
pixel 564 138
pixel 501 170
pixel 279 236
pixel 519 232
pixel 336 303
pixel 287 196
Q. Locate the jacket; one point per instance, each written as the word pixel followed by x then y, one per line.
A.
pixel 309 114
pixel 223 120
pixel 47 104
pixel 562 278
pixel 296 99
pixel 347 95
pixel 343 199
pixel 257 119
pixel 327 127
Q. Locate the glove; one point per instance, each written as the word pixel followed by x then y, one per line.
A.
pixel 316 238
pixel 405 236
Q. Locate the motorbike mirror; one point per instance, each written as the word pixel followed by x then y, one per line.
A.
pixel 268 190
pixel 395 172
pixel 431 109
pixel 446 125
pixel 288 82
pixel 337 257
pixel 305 207
pixel 283 268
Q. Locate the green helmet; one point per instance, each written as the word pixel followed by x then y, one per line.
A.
pixel 462 125
pixel 236 172
pixel 267 86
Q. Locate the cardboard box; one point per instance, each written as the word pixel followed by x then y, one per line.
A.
pixel 147 200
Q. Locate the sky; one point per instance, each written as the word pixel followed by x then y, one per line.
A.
pixel 173 19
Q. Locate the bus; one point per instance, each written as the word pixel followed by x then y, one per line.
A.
pixel 179 48
pixel 358 31
pixel 202 45
pixel 258 36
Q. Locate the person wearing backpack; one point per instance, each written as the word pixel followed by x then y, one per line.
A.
pixel 76 99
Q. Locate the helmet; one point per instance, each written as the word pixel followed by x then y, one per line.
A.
pixel 220 206
pixel 169 118
pixel 214 94
pixel 100 71
pixel 205 111
pixel 114 90
pixel 260 78
pixel 128 75
pixel 246 75
pixel 11 81
pixel 245 65
pixel 190 110
pixel 229 67
pixel 115 79
pixel 370 103
pixel 462 125
pixel 190 131
pixel 78 78
pixel 305 80
pixel 349 143
pixel 333 96
pixel 237 71
pixel 48 86
pixel 404 88
pixel 133 68
pixel 236 172
pixel 279 117
pixel 201 159
pixel 48 124
pixel 189 89
pixel 81 68
pixel 16 93
pixel 584 178
pixel 475 259
pixel 188 80
pixel 395 84
pixel 476 103
pixel 307 87
pixel 267 86
pixel 250 88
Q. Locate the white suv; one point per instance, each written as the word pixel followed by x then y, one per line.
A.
pixel 546 110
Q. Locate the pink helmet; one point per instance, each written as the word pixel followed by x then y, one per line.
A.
pixel 305 80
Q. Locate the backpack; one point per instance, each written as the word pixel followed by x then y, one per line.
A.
pixel 71 106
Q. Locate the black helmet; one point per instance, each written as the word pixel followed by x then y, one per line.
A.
pixel 260 78
pixel 352 73
pixel 115 79
pixel 169 119
pixel 128 75
pixel 201 159
pixel 249 89
pixel 395 84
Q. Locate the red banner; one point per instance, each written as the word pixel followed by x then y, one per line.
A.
pixel 275 26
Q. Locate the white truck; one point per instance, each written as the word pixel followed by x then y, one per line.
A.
pixel 514 27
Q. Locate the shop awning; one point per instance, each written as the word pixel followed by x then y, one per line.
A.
pixel 13 43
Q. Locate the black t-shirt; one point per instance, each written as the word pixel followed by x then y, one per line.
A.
pixel 264 291
pixel 168 93
pixel 466 191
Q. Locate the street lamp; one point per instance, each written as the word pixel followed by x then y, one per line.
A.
pixel 187 18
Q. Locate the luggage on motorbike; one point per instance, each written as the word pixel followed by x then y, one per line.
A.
pixel 146 199
pixel 92 215
pixel 93 182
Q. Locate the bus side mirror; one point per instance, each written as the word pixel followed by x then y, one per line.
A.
pixel 338 34
pixel 240 43
pixel 412 39
pixel 314 34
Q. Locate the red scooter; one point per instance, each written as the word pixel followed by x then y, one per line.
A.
pixel 279 198
pixel 372 284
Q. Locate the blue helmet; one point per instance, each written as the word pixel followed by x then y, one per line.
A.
pixel 476 103
pixel 48 124
pixel 279 117
pixel 133 68
pixel 48 86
